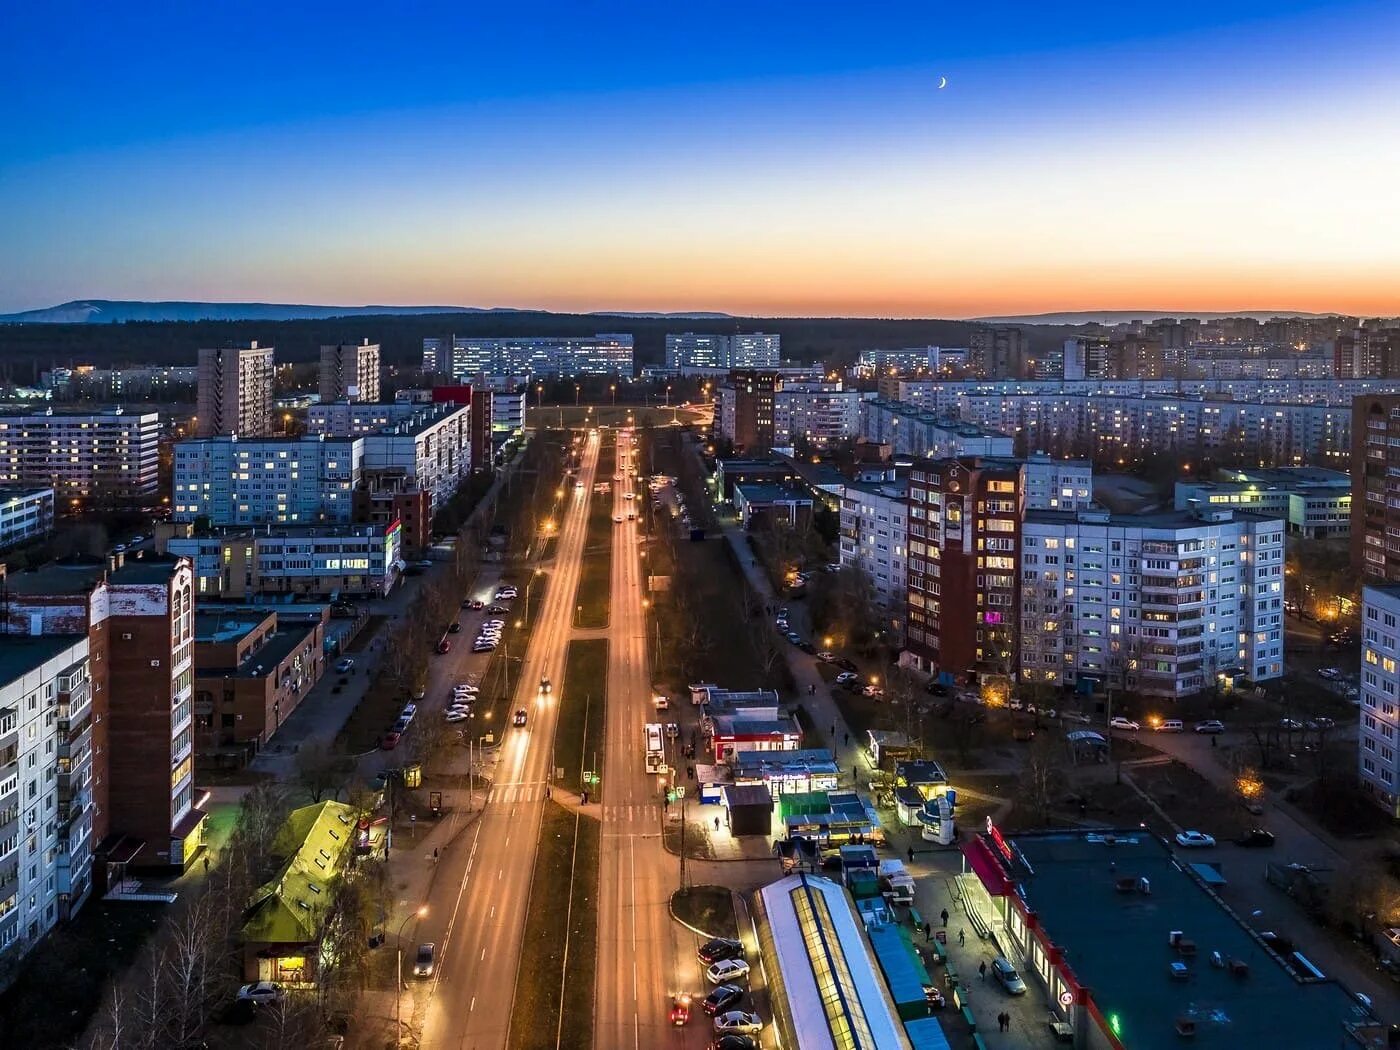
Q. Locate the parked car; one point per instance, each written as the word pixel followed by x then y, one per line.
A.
pixel 261 992
pixel 873 691
pixel 481 646
pixel 1256 838
pixel 847 676
pixel 1170 725
pixel 1194 839
pixel 1328 673
pixel 497 609
pixel 807 647
pixel 408 713
pixel 444 646
pixel 1290 725
pixel 740 1021
pixel 1322 722
pixel 1007 976
pixel 846 664
pixel 423 965
pixel 455 714
pixel 794 637
pixel 1210 725
pixel 520 716
pixel 720 948
pixel 1119 722
pixel 826 657
pixel 390 740
pixel 454 628
pixel 344 665
pixel 734 1041
pixel 722 998
pixel 727 971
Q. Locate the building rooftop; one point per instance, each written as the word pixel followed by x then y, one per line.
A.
pixel 771 492
pixel 1117 945
pixel 152 568
pixel 71 576
pixel 288 531
pixel 227 626
pixel 1289 477
pixel 22 653
pixel 1152 519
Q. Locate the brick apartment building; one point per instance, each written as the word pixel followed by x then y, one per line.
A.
pixel 1375 487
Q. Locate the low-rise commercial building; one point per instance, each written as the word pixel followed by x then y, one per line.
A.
pixel 99 458
pixel 1314 502
pixel 310 561
pixel 763 505
pixel 1129 947
pixel 253 667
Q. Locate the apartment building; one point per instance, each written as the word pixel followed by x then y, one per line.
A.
pixel 25 514
pixel 90 459
pixel 912 431
pixel 350 372
pixel 139 809
pixel 964 524
pixel 874 537
pixel 237 481
pixel 998 353
pixel 1375 488
pixel 1157 604
pixel 818 413
pixel 744 414
pixel 697 350
pixel 288 561
pixel 534 356
pixel 1313 501
pixel 911 361
pixel 1379 754
pixel 386 496
pixel 755 350
pixel 253 667
pixel 45 767
pixel 235 391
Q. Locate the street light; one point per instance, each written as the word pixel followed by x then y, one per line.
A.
pixel 398 989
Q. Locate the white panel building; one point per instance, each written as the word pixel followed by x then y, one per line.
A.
pixel 111 454
pixel 821 413
pixel 25 514
pixel 1161 604
pixel 603 354
pixel 875 537
pixel 257 481
pixel 1378 764
pixel 912 431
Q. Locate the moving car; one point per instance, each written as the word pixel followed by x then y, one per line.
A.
pixel 260 992
pixel 1211 725
pixel 617 519
pixel 726 971
pixel 1194 839
pixel 680 1010
pixel 546 686
pixel 741 1021
pixel 722 998
pixel 520 716
pixel 344 665
pixel 1119 722
pixel 1007 976
pixel 444 646
pixel 1256 838
pixel 423 965
pixel 720 948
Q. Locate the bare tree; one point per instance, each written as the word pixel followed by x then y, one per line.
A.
pixel 321 770
pixel 1042 777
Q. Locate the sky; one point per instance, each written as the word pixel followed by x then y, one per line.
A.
pixel 764 158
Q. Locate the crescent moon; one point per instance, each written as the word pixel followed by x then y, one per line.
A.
pixel 942 83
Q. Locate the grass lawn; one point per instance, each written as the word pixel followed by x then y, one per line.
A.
pixel 61 984
pixel 373 716
pixel 707 908
pixel 568 856
pixel 578 737
pixel 591 603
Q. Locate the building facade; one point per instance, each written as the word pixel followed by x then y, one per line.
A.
pixel 697 350
pixel 45 771
pixel 25 514
pixel 820 414
pixel 350 372
pixel 1378 764
pixel 236 481
pixel 912 431
pixel 1375 488
pixel 1314 501
pixel 235 391
pixel 311 561
pixel 1158 604
pixel 99 458
pixel 875 539
pixel 603 354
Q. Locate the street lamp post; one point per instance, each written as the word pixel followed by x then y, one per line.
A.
pixel 613 388
pixel 398 988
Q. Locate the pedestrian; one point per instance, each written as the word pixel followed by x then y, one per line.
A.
pixel 206 864
pixel 911 854
pixel 944 915
pixel 435 855
pixel 546 791
pixel 962 938
pixel 833 731
pixel 928 931
pixel 982 969
pixel 716 823
pixel 848 739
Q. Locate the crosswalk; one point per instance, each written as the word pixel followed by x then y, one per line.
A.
pixel 628 814
pixel 505 794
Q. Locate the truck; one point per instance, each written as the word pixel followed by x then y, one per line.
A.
pixel 896 884
pixel 655 744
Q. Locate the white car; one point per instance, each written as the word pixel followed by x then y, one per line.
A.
pixel 260 992
pixel 1194 838
pixel 493 623
pixel 466 687
pixel 1328 672
pixel 739 1021
pixel 1120 722
pixel 484 647
pixel 847 676
pixel 727 970
pixel 455 715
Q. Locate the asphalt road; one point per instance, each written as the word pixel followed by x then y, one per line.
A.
pixel 478 904
pixel 644 958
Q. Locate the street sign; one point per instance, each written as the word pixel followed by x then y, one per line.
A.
pixel 680 791
pixel 589 777
pixel 559 773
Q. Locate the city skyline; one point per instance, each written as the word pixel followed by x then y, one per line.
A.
pixel 1175 156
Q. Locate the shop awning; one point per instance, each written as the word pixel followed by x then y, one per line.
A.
pixel 981 860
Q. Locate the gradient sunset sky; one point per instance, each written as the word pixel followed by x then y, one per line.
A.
pixel 758 158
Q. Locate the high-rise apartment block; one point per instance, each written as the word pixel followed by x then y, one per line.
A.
pixel 755 350
pixel 105 457
pixel 998 353
pixel 235 391
pixel 741 350
pixel 350 372
pixel 1375 488
pixel 1158 604
pixel 1379 752
pixel 603 354
pixel 45 767
pixel 233 481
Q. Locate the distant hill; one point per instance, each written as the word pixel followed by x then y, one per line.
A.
pixel 116 311
pixel 1111 317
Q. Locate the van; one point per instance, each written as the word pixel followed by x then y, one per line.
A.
pixel 1171 725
